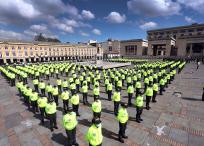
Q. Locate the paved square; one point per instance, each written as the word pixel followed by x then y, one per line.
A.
pixel 173 120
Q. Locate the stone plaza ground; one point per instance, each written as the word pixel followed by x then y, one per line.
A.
pixel 176 119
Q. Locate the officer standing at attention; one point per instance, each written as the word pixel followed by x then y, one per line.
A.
pixel 94 134
pixel 51 110
pixel 35 83
pixel 70 123
pixel 109 90
pixel 130 91
pixel 59 85
pixel 155 90
pixel 41 86
pixel 96 108
pixel 55 94
pixel 138 87
pixel 85 93
pixel 116 100
pixel 75 103
pixel 48 89
pixel 42 102
pixel 122 119
pixel 65 98
pixel 96 92
pixel 149 94
pixel 139 107
pixel 33 100
pixel 162 83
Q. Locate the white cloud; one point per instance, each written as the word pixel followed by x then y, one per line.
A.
pixel 115 17
pixel 148 25
pixel 11 35
pixel 154 8
pixel 96 31
pixel 38 27
pixel 197 5
pixel 189 19
pixel 84 34
pixel 87 14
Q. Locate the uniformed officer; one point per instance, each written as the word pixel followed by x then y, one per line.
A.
pixel 33 100
pixel 162 84
pixel 85 93
pixel 146 83
pixel 155 90
pixel 70 122
pixel 65 98
pixel 51 110
pixel 75 103
pixel 35 83
pixel 55 94
pixel 94 134
pixel 96 108
pixel 130 91
pixel 122 119
pixel 42 102
pixel 73 87
pixel 65 85
pixel 138 87
pixel 77 82
pixel 96 92
pixel 59 85
pixel 48 89
pixel 139 107
pixel 41 86
pixel 109 90
pixel 116 100
pixel 149 94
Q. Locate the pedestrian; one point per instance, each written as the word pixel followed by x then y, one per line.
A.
pixel 41 86
pixel 33 100
pixel 70 124
pixel 122 118
pixel 51 110
pixel 35 83
pixel 109 90
pixel 59 85
pixel 161 84
pixel 55 94
pixel 94 134
pixel 96 92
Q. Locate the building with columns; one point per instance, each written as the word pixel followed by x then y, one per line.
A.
pixel 16 51
pixel 182 41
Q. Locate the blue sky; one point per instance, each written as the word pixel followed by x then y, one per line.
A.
pixel 82 20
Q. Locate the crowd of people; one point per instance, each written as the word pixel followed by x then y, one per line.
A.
pixel 143 79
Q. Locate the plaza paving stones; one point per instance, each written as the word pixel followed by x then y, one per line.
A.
pixel 176 119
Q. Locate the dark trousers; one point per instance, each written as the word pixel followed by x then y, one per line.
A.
pixel 75 108
pixel 203 96
pixel 12 82
pixel 34 106
pixel 137 91
pixel 59 88
pixel 145 87
pixel 49 95
pixel 139 112
pixel 42 114
pixel 85 101
pixel 26 100
pixel 71 136
pixel 129 98
pixel 96 115
pixel 65 105
pixel 122 128
pixel 43 92
pixel 154 96
pixel 148 99
pixel 161 89
pixel 116 105
pixel 36 88
pixel 109 95
pixel 47 76
pixel 77 87
pixel 53 121
pixel 56 99
pixel 96 97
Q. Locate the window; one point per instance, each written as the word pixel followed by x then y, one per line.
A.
pixel 190 30
pixel 7 53
pixel 144 51
pixel 200 29
pixel 26 53
pixel 31 53
pixel 110 48
pixel 182 31
pixel 14 53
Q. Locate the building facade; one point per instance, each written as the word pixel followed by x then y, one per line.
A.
pixel 11 51
pixel 111 48
pixel 133 48
pixel 183 41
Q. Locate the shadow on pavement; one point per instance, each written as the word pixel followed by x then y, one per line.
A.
pixel 59 138
pixel 191 98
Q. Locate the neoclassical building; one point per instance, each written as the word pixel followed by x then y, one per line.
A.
pixel 16 51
